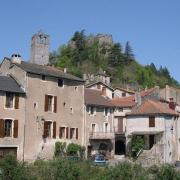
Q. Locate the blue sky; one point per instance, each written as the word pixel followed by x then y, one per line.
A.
pixel 151 26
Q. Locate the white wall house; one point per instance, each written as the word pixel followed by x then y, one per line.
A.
pixel 157 124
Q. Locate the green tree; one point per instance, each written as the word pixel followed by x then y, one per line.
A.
pixel 128 52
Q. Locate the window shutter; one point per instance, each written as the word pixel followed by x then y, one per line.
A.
pixel 67 132
pixel 55 104
pixel 1 128
pixel 70 133
pixel 54 129
pixel 60 133
pixel 45 133
pixel 17 101
pixel 76 133
pixel 152 121
pixel 46 103
pixel 15 135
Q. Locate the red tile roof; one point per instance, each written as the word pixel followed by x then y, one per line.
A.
pixel 130 101
pixel 94 97
pixel 152 107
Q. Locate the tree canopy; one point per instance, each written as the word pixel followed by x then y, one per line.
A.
pixel 87 53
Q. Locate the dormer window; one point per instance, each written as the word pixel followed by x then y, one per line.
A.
pixel 60 83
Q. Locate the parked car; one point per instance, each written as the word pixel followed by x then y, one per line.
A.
pixel 99 159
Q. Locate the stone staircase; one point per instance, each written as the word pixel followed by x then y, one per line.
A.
pixel 154 156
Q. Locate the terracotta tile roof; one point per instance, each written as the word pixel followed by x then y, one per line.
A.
pixel 130 101
pixel 152 107
pixel 94 97
pixel 124 102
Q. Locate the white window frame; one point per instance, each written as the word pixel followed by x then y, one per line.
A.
pixel 52 102
pixel 12 127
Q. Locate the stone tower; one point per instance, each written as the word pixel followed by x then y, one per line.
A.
pixel 40 49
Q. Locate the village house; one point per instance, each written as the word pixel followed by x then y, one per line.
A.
pixel 49 111
pixel 98 123
pixel 157 123
pixel 12 118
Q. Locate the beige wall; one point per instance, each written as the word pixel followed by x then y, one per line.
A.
pixel 164 130
pixel 36 90
pixel 13 114
pixel 99 119
pixel 72 94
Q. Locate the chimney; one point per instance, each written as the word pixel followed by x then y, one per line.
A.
pixel 172 104
pixel 16 58
pixel 138 98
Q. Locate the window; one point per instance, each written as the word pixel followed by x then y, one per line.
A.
pixel 62 132
pixel 93 128
pixel 123 94
pixel 106 127
pixel 50 103
pixel 92 110
pixel 71 110
pixel 151 121
pixel 47 129
pixel 43 77
pixel 98 86
pixel 72 133
pixel 106 111
pixel 104 91
pixel 8 128
pixel 9 100
pixel 12 100
pixel 60 83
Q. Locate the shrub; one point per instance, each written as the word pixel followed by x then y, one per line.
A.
pixel 137 145
pixel 72 149
pixel 167 172
pixel 60 149
pixel 11 169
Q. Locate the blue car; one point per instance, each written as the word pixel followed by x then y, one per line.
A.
pixel 99 159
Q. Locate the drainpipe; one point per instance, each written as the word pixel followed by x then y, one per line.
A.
pixel 24 139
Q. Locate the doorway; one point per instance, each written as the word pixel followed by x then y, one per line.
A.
pixel 151 141
pixel 120 147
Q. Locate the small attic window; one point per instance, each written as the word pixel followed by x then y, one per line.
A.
pixel 43 77
pixel 60 83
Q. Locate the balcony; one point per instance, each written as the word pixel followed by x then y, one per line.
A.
pixel 101 135
pixel 118 130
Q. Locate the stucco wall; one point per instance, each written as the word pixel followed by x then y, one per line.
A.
pixel 71 96
pixel 13 114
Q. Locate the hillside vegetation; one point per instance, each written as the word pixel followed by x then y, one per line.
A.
pixel 88 53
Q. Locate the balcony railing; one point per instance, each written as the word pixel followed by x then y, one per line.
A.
pixel 119 130
pixel 101 135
